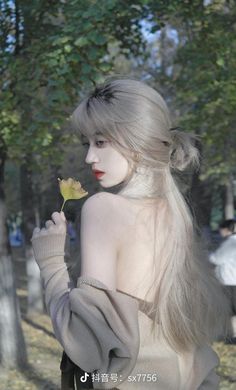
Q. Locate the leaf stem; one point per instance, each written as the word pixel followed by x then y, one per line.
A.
pixel 63 204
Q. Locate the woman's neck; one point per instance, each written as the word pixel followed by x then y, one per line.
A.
pixel 141 185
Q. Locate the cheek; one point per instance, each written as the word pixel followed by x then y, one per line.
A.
pixel 115 159
pixel 116 163
pixel 121 165
pixel 124 167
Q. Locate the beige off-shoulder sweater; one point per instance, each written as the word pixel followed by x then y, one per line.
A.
pixel 107 332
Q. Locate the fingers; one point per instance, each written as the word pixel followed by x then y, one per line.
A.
pixel 63 216
pixel 48 224
pixel 36 231
pixel 57 218
pixel 55 226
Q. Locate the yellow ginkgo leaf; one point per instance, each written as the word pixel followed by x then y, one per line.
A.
pixel 71 189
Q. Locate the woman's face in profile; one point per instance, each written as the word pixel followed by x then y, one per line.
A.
pixel 109 166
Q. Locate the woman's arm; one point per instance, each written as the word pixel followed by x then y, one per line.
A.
pixel 99 242
pixel 97 326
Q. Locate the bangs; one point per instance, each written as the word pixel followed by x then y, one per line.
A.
pixel 92 117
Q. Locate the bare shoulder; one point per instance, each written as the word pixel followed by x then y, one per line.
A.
pixel 105 203
pixel 106 210
pixel 100 238
pixel 103 197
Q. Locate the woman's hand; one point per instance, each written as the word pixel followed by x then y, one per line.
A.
pixel 52 227
pixel 49 243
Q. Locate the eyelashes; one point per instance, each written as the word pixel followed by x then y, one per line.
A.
pixel 85 144
pixel 99 144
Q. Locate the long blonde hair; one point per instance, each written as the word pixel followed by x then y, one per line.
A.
pixel 188 304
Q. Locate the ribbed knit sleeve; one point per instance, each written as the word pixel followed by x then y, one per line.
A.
pixel 97 327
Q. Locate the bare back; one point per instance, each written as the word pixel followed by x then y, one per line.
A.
pixel 136 247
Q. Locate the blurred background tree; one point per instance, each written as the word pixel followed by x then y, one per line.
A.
pixel 50 53
pixel 191 61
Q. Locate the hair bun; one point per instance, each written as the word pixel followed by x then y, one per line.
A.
pixel 184 151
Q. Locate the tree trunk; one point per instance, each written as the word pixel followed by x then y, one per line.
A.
pixel 30 220
pixel 201 196
pixel 229 198
pixel 35 301
pixel 12 344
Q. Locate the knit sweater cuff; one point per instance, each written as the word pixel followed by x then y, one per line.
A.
pixel 48 246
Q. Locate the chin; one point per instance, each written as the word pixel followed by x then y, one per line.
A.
pixel 111 184
pixel 105 185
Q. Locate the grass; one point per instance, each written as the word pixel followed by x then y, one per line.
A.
pixel 44 354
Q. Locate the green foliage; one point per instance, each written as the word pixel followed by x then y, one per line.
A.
pixel 50 53
pixel 205 79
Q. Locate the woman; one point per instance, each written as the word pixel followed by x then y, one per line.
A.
pixel 146 306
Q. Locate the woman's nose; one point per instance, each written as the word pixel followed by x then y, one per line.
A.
pixel 91 156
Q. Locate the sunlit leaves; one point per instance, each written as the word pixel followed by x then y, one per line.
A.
pixel 81 41
pixel 58 56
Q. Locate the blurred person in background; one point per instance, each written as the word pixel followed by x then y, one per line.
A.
pixel 224 259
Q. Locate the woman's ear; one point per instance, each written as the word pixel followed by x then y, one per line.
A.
pixel 132 167
pixel 136 157
pixel 134 161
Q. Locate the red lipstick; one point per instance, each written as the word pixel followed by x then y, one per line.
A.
pixel 98 173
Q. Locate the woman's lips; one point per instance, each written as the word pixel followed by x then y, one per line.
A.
pixel 98 174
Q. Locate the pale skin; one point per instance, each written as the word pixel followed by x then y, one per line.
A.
pixel 224 232
pixel 101 155
pixel 114 230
